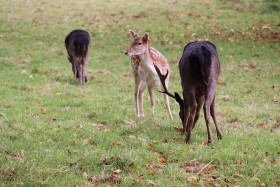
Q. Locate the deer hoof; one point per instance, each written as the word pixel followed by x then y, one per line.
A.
pixel 220 136
pixel 210 140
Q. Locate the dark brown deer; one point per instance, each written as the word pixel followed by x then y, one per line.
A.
pixel 77 44
pixel 199 70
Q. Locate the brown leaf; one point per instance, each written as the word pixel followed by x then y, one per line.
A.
pixel 79 127
pixel 249 91
pixel 224 98
pixel 180 129
pixel 131 164
pixel 227 180
pixel 100 71
pixel 85 175
pixel 118 171
pixel 150 147
pixel 126 75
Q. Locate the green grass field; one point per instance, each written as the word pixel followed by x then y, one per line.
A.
pixel 55 133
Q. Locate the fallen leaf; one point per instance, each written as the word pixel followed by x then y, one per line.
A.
pixel 180 129
pixel 87 140
pixel 85 175
pixel 245 143
pixel 79 127
pixel 118 171
pixel 132 163
pixel 204 143
pixel 217 185
pixel 161 160
pixel 249 91
pixel 150 147
pixel 224 98
pixel 101 127
pixel 43 111
pixel 131 136
pixel 227 180
pixel 212 166
pixel 100 71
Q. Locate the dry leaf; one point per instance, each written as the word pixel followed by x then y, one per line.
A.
pixel 180 129
pixel 224 98
pixel 131 136
pixel 150 147
pixel 43 111
pixel 85 175
pixel 79 127
pixel 204 143
pixel 87 140
pixel 118 171
pixel 162 160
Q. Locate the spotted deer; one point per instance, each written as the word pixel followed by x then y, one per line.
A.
pixel 199 71
pixel 142 59
pixel 77 44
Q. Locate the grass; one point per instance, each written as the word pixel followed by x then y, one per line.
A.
pixel 55 133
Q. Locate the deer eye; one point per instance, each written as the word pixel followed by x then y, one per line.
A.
pixel 139 43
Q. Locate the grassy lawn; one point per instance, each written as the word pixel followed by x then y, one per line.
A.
pixel 56 133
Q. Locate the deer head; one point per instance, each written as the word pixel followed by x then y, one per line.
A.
pixel 176 96
pixel 139 45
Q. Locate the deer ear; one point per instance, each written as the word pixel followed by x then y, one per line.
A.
pixel 179 99
pixel 134 34
pixel 146 37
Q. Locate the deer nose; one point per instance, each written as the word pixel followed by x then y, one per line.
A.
pixel 126 52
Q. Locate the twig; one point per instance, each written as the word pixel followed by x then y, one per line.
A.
pixel 205 166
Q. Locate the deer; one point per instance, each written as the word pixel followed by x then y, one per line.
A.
pixel 77 44
pixel 145 76
pixel 199 69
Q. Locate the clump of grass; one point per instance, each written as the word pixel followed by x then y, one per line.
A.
pixel 270 7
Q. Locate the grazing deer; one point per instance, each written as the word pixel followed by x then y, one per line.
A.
pixel 77 44
pixel 142 59
pixel 199 70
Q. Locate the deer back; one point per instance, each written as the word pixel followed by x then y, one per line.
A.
pixel 199 64
pixel 77 43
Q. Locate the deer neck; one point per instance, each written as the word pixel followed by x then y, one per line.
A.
pixel 148 62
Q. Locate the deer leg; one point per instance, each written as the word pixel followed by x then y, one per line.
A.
pixel 74 69
pixel 85 62
pixel 151 93
pixel 213 114
pixel 199 105
pixel 206 109
pixel 192 113
pixel 142 87
pixel 80 74
pixel 167 105
pixel 136 91
pixel 84 74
